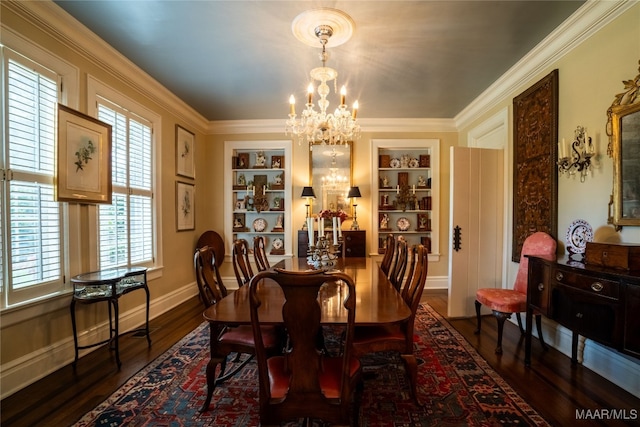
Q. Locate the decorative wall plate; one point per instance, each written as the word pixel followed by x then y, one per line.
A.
pixel 578 234
pixel 394 163
pixel 414 163
pixel 259 224
pixel 403 224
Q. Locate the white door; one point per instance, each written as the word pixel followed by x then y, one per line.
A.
pixel 477 209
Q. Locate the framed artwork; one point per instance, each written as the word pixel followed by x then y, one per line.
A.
pixel 185 206
pixel 83 164
pixel 535 174
pixel 185 156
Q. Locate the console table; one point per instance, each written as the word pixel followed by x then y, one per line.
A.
pixel 602 304
pixel 108 285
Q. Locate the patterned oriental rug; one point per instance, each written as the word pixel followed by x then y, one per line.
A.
pixel 456 386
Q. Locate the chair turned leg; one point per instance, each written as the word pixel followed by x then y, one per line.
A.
pixel 211 380
pixel 519 318
pixel 501 317
pixel 411 365
pixel 539 327
pixel 478 317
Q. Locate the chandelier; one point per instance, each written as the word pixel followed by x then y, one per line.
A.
pixel 319 125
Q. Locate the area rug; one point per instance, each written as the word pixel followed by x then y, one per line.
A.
pixel 456 386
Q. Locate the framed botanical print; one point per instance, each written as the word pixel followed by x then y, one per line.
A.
pixel 83 164
pixel 185 155
pixel 185 206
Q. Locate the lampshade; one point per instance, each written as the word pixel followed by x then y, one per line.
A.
pixel 354 192
pixel 308 192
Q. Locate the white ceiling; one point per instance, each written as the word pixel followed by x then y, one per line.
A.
pixel 239 60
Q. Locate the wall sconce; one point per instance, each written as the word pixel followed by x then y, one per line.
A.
pixel 576 157
pixel 354 192
pixel 309 194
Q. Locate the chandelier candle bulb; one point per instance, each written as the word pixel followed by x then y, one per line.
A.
pixel 355 110
pixel 343 95
pixel 310 94
pixel 292 105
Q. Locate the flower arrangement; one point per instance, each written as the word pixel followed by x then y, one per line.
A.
pixel 327 213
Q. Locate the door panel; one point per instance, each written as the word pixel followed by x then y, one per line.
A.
pixel 477 206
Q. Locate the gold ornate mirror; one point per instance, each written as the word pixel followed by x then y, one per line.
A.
pixel 330 176
pixel 623 128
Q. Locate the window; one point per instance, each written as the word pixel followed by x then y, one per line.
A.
pixel 31 230
pixel 126 227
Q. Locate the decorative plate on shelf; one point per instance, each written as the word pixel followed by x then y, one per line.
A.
pixel 277 243
pixel 578 234
pixel 414 163
pixel 394 163
pixel 403 224
pixel 259 224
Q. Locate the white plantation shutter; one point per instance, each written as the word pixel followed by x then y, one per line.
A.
pixel 32 261
pixel 126 226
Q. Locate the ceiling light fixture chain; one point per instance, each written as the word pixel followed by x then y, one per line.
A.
pixel 334 128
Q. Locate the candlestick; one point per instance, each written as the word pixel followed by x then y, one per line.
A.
pixel 340 228
pixel 397 189
pixel 310 230
pixel 335 230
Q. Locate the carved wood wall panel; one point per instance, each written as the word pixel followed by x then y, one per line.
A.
pixel 535 174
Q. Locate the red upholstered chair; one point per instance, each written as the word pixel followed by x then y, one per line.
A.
pixel 399 265
pixel 504 302
pixel 305 382
pixel 226 339
pixel 399 337
pixel 241 263
pixel 260 254
pixel 387 259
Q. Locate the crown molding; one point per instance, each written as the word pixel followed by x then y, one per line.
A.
pixel 58 24
pixel 582 24
pixel 366 125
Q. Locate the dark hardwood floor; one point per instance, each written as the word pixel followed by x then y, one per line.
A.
pixel 552 386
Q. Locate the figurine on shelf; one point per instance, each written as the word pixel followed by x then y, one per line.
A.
pixel 385 182
pixel 237 223
pixel 261 159
pixel 279 221
pixel 277 203
pixel 278 179
pixel 384 222
pixel 421 181
pixel 242 180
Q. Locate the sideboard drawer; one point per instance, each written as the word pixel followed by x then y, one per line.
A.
pixel 355 243
pixel 593 285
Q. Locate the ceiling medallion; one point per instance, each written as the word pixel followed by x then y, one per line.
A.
pixel 326 27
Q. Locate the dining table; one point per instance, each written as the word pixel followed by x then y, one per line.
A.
pixel 377 303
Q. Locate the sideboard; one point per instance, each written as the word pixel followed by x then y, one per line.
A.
pixel 602 304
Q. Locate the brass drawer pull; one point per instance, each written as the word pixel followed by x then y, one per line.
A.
pixel 559 275
pixel 540 286
pixel 597 286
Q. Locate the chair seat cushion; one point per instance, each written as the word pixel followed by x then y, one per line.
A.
pixel 365 335
pixel 243 335
pixel 330 376
pixel 504 300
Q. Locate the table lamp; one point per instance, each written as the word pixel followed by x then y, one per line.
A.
pixel 354 192
pixel 309 194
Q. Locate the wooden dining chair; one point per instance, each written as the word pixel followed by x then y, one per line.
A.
pixel 225 339
pixel 387 259
pixel 241 264
pixel 504 302
pixel 399 337
pixel 260 254
pixel 399 264
pixel 304 382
